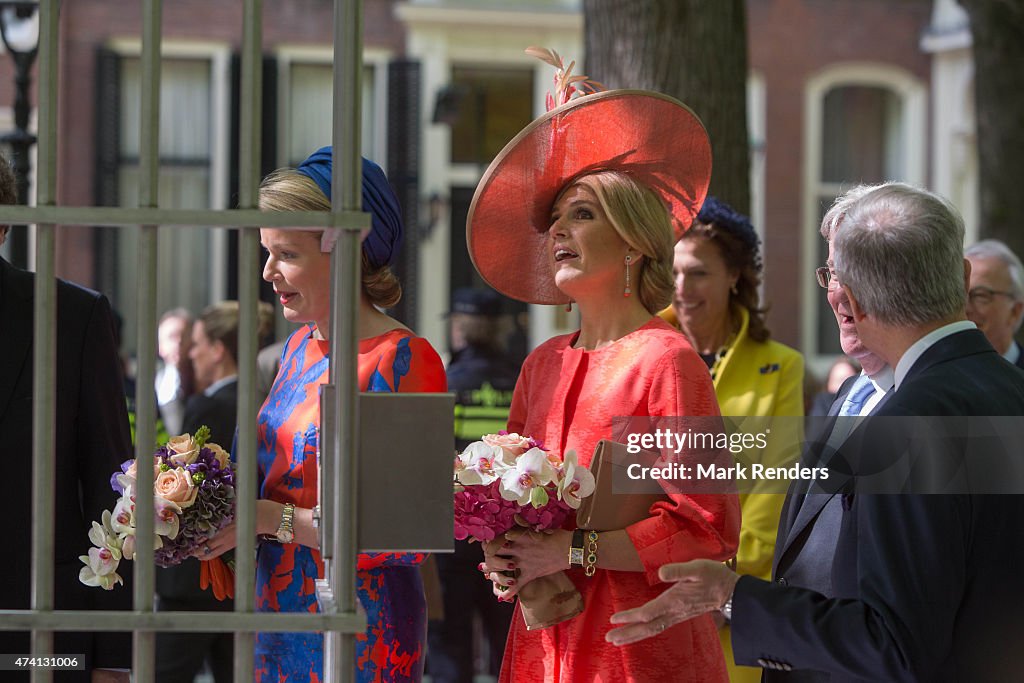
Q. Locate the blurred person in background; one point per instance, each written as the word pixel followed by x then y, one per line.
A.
pixel 213 352
pixel 841 370
pixel 995 299
pixel 174 382
pixel 717 267
pixel 482 377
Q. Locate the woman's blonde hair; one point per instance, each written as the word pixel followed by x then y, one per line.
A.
pixel 641 219
pixel 288 190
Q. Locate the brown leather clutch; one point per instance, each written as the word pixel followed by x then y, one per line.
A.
pixel 605 510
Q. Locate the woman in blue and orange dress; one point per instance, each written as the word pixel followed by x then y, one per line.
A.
pixel 391 358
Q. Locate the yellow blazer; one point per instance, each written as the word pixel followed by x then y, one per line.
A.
pixel 759 379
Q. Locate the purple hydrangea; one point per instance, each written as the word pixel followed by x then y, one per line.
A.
pixel 213 509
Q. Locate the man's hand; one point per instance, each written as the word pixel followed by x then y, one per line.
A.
pixel 700 586
pixel 111 676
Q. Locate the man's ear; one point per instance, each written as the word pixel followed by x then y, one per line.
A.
pixel 967 275
pixel 855 307
pixel 220 350
pixel 1015 314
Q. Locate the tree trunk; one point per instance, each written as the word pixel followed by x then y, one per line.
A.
pixel 997 28
pixel 693 50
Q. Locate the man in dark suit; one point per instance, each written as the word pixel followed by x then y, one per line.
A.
pixel 92 439
pixel 887 587
pixel 213 354
pixel 995 301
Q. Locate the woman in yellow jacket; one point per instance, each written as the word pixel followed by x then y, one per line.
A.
pixel 717 267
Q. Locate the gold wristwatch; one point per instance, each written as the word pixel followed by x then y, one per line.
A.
pixel 577 549
pixel 286 532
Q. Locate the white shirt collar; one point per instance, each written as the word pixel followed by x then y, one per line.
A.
pixel 883 381
pixel 918 348
pixel 1013 353
pixel 216 386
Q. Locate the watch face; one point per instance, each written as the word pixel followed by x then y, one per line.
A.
pixel 285 536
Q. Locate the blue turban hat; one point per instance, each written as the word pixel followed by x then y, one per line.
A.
pixel 384 241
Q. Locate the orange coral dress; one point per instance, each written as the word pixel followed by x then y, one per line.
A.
pixel 567 398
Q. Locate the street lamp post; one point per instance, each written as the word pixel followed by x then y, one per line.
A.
pixel 19 30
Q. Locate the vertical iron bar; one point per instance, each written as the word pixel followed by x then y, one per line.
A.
pixel 44 406
pixel 144 646
pixel 346 185
pixel 248 294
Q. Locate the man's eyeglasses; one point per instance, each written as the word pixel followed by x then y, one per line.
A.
pixel 984 295
pixel 826 277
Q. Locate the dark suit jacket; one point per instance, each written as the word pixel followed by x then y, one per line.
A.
pixel 923 587
pixel 92 439
pixel 219 413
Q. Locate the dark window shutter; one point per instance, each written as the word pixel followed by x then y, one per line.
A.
pixel 403 119
pixel 108 153
pixel 268 156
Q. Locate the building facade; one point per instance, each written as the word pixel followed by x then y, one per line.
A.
pixel 839 92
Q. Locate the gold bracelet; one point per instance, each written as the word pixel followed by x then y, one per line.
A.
pixel 591 565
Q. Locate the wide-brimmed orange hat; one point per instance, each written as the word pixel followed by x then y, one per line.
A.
pixel 654 138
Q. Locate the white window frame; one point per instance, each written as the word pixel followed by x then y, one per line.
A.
pixel 914 98
pixel 289 54
pixel 219 56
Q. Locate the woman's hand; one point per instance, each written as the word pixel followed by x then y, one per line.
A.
pixel 268 519
pixel 529 555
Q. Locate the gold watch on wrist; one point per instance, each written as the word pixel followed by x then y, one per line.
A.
pixel 286 531
pixel 576 549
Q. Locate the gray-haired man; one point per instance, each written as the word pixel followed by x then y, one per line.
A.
pixel 916 587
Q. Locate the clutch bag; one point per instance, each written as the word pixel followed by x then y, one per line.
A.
pixel 604 510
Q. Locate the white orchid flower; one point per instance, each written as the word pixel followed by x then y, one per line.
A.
pixel 122 519
pixel 100 568
pixel 480 464
pixel 105 538
pixel 128 546
pixel 577 482
pixel 532 469
pixel 166 517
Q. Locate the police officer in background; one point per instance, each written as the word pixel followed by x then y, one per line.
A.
pixel 482 377
pixel 480 374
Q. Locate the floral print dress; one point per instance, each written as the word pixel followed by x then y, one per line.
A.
pixel 388 584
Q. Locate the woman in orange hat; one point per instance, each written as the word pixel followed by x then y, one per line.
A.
pixel 580 207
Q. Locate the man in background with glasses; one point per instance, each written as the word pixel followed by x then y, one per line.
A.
pixel 995 301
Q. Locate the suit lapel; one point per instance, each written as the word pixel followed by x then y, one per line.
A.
pixel 802 508
pixel 16 334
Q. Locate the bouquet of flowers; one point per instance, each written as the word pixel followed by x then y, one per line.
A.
pixel 193 496
pixel 509 482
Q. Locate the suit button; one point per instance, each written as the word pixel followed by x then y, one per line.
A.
pixel 782 581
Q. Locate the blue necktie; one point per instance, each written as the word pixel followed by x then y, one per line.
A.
pixel 862 390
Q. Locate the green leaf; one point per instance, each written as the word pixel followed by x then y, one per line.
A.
pixel 539 497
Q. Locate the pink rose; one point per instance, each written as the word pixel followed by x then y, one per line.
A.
pixel 175 485
pixel 514 444
pixel 219 453
pixel 182 450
